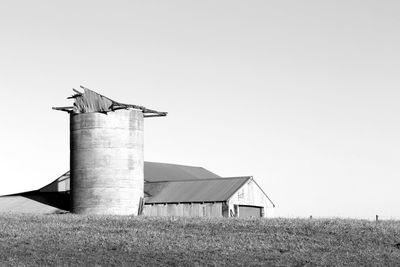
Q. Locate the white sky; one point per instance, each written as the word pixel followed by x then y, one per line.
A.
pixel 303 95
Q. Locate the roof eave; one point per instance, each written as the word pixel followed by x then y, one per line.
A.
pixel 244 182
pixel 273 205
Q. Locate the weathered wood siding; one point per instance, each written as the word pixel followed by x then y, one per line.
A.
pixel 251 194
pixel 184 210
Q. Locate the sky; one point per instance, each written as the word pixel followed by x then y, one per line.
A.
pixel 302 95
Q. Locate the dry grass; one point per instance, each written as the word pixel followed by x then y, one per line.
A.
pixel 50 240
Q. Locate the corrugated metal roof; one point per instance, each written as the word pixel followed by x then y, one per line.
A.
pixel 155 172
pixel 199 190
pixel 45 200
pixel 164 183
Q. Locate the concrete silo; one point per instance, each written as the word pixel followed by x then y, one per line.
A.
pixel 106 155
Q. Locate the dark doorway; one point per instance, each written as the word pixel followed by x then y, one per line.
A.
pixel 246 211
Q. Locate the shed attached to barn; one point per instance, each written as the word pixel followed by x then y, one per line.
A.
pixel 214 197
pixel 169 189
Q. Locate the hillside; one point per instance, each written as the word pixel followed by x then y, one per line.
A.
pixel 67 239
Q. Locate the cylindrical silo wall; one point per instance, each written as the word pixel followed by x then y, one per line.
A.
pixel 107 162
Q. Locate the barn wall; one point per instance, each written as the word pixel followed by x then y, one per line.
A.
pixel 184 210
pixel 251 194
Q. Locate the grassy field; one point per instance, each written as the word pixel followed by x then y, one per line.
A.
pixel 27 240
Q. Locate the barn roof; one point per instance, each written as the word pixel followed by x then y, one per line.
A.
pixel 204 190
pixel 155 171
pixel 164 183
pixel 54 197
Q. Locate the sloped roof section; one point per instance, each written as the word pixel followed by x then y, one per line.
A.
pixel 156 172
pixel 198 190
pixel 22 204
pixel 153 172
pixel 35 202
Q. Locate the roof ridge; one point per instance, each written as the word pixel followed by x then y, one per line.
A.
pixel 173 164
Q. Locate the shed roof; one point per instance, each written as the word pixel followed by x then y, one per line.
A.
pixel 199 190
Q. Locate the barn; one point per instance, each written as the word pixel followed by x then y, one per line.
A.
pixel 169 190
pixel 108 175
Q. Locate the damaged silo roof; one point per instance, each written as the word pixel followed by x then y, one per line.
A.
pixel 90 101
